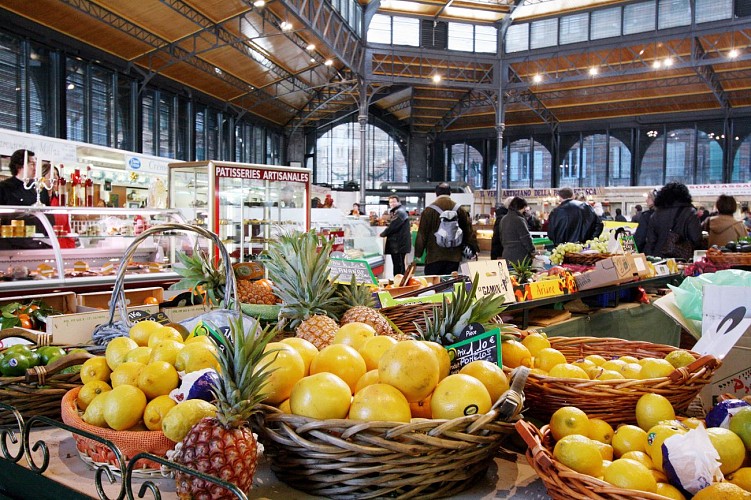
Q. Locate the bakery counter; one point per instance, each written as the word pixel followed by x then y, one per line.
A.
pixel 67 476
pixel 85 283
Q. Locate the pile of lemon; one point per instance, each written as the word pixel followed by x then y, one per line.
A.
pixel 128 388
pixel 369 377
pixel 631 456
pixel 535 352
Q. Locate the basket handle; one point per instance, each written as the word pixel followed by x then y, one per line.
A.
pixel 531 436
pixel 118 291
pixel 707 360
pixel 510 404
pixel 38 338
pixel 39 373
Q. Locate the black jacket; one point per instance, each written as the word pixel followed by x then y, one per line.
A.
pixel 573 221
pixel 640 236
pixel 515 237
pixel 397 234
pixel 681 216
pixel 12 192
pixel 496 247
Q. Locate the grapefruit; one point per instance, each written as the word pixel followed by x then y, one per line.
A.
pixel 411 367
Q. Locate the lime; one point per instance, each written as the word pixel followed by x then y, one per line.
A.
pixel 679 358
pixel 50 352
pixel 741 425
pixel 15 364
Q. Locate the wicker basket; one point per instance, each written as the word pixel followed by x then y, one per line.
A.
pixel 584 259
pixel 407 317
pixel 130 443
pixel 355 459
pixel 729 258
pixel 563 482
pixel 614 400
pixel 40 390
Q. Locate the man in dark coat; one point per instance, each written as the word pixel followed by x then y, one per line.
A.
pixel 572 221
pixel 12 191
pixel 640 236
pixel 398 235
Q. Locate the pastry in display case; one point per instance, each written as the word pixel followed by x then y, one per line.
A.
pixel 246 205
pixel 360 240
pixel 69 247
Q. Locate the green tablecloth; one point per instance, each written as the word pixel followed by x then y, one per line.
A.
pixel 642 322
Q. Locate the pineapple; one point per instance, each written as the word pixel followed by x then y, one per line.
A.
pixel 298 269
pixel 359 300
pixel 201 275
pixel 522 270
pixel 224 446
pixel 449 321
pixel 256 292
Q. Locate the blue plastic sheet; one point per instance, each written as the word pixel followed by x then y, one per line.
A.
pixel 688 296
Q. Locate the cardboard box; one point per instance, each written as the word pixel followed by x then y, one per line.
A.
pixel 180 313
pixel 642 265
pixel 133 297
pixel 610 271
pixel 77 328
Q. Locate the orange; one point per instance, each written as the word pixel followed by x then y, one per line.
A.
pixel 369 378
pixel 284 407
pixel 341 360
pixel 421 409
pixel 354 334
pixel 322 395
pixel 373 348
pixel 459 395
pixel 443 358
pixel 411 367
pixel 514 354
pixel 568 420
pixel 150 300
pixel 491 376
pixel 380 402
pixel 304 348
pixel 286 367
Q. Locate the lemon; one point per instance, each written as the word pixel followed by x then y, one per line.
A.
pixel 608 375
pixel 580 454
pixel 547 358
pixel 640 457
pixel 655 368
pixel 599 430
pixel 140 354
pixel 630 474
pixel 568 420
pixel 613 364
pixel 655 437
pixel 631 370
pixel 669 491
pixel 284 407
pixel 730 448
pixel 308 351
pixel 166 350
pixel 201 339
pixel 158 378
pixel 659 476
pixel 535 342
pixel 629 438
pixel 567 370
pixel 94 414
pixel 515 354
pixel 724 491
pixel 95 369
pixel 605 450
pixel 156 410
pixel 141 331
pixel 196 356
pixel 693 423
pixel 164 333
pixel 124 407
pixel 117 349
pixel 179 420
pixel 742 478
pixel 126 374
pixel 629 359
pixel 653 408
pixel 89 391
pixel 679 358
pixel 584 364
pixel 596 359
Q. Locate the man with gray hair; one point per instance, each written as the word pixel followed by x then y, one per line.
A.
pixel 572 221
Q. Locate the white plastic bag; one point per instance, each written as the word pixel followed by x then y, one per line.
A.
pixel 690 461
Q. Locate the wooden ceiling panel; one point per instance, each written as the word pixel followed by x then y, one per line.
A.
pixel 153 16
pixel 219 10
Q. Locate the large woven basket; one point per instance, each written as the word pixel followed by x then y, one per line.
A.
pixel 729 258
pixel 565 483
pixel 41 389
pixel 407 317
pixel 614 400
pixel 353 459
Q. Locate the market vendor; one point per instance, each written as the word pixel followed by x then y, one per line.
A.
pixel 12 191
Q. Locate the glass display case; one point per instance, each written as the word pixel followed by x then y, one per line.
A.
pixel 246 205
pixel 69 247
pixel 360 240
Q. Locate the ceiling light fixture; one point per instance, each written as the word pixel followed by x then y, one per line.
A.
pixel 259 3
pixel 593 71
pixel 537 78
pixel 668 62
pixel 328 62
pixel 71 86
pixel 285 26
pixel 311 47
pixel 733 54
pixel 436 78
pixel 652 133
pixel 656 64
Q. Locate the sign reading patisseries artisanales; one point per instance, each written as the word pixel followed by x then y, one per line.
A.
pixel 262 174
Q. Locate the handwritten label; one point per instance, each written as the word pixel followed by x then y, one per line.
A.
pixel 493 278
pixel 484 346
pixel 159 317
pixel 344 269
pixel 138 315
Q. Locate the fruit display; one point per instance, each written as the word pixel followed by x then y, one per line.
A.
pixel 645 458
pixel 31 316
pixel 596 245
pixel 16 359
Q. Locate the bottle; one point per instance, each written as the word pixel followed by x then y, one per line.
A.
pixel 62 187
pixel 75 186
pixel 89 188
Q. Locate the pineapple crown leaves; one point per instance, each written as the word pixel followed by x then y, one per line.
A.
pixel 522 269
pixel 244 372
pixel 446 323
pixel 198 272
pixel 356 294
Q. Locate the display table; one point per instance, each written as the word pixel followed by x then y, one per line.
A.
pixel 68 477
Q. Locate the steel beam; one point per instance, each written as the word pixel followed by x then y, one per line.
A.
pixel 468 101
pixel 708 75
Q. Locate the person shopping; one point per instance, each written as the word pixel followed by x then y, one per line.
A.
pixel 673 214
pixel 397 234
pixel 572 221
pixel 723 227
pixel 515 238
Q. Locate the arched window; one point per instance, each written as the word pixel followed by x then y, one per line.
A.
pixel 596 160
pixel 465 165
pixel 742 162
pixel 708 158
pixel 619 163
pixel 679 149
pixel 651 172
pixel 338 157
pixel 527 165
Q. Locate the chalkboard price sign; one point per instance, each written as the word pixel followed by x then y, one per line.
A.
pixel 484 346
pixel 344 269
pixel 137 315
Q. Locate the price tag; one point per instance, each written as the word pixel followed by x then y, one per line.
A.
pixel 137 315
pixel 481 346
pixel 344 269
pixel 159 317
